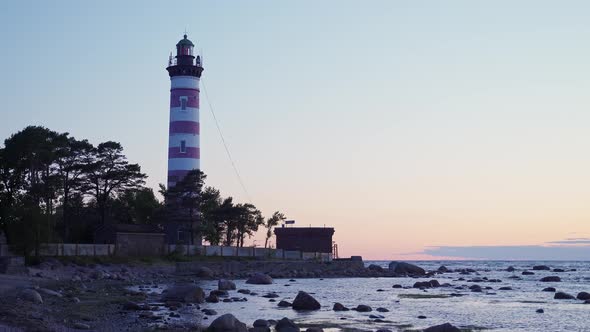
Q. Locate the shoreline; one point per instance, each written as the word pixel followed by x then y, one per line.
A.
pixel 113 297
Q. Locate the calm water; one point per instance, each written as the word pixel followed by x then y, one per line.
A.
pixel 494 310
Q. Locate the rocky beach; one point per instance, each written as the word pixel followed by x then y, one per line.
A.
pixel 296 296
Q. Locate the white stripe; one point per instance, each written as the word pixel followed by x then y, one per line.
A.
pixel 184 82
pixel 192 141
pixel 183 164
pixel 189 114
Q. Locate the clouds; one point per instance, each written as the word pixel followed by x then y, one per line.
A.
pixel 572 241
pixel 567 249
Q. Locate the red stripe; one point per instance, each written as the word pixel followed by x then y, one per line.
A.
pixel 190 153
pixel 192 94
pixel 184 127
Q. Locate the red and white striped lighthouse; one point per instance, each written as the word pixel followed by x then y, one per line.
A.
pixel 183 146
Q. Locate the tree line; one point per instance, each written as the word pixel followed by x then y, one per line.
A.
pixel 56 188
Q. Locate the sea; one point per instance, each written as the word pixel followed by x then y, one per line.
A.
pixel 412 309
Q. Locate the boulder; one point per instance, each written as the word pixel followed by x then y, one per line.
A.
pixel 284 304
pixel 188 293
pixel 286 325
pixel 219 293
pixel 406 268
pixel 549 289
pixel 204 272
pixel 583 296
pixel 339 307
pixel 505 288
pixel 442 269
pixel 510 269
pixel 363 308
pixel 212 298
pixel 259 279
pixel 314 329
pixel 227 323
pixel 375 267
pixel 304 301
pixel 209 312
pixel 541 268
pixel 563 296
pixel 98 274
pixel 550 279
pixel 261 323
pixel 446 327
pixel 558 270
pixel 31 295
pixel 527 273
pixel 244 291
pixel 540 311
pixel 382 309
pixel 397 286
pixel 224 284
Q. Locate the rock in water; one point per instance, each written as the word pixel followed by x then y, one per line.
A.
pixel 550 279
pixel 363 308
pixel 527 273
pixel 284 304
pixel 549 289
pixel 226 285
pixel 583 296
pixel 541 268
pixel 31 295
pixel 304 301
pixel 540 311
pixel 259 279
pixel 406 268
pixel 286 325
pixel 339 307
pixel 446 327
pixel 563 296
pixel 184 293
pixel 510 269
pixel 227 323
pixel 314 329
pixel 261 323
pixel 443 269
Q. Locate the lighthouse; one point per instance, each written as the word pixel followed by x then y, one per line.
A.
pixel 183 143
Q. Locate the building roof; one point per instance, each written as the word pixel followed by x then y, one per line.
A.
pixel 185 41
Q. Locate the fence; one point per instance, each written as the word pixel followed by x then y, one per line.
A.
pixel 73 249
pixel 67 249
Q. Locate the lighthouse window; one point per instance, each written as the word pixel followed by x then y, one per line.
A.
pixel 183 101
pixel 182 146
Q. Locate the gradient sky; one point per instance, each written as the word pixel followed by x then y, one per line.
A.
pixel 418 129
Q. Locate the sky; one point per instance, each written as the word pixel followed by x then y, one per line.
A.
pixel 418 129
